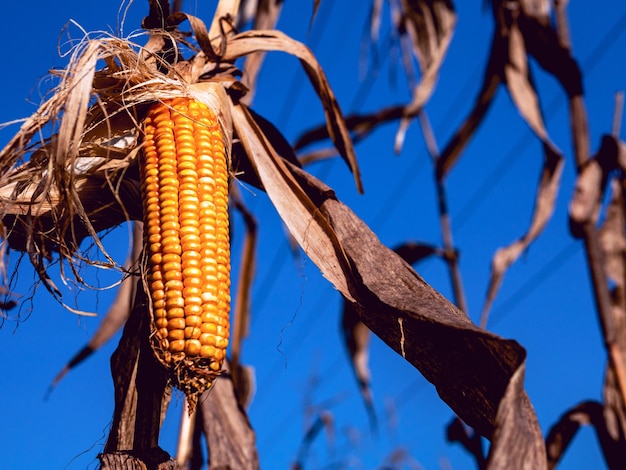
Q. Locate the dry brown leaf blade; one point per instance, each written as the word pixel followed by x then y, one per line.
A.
pixel 430 25
pixel 229 436
pixel 361 125
pixel 271 40
pixel 507 62
pixel 564 430
pixel 299 213
pixel 519 84
pixel 413 252
pixel 545 200
pixel 471 441
pixel 612 238
pixel 470 367
pixel 612 241
pixel 457 143
pixel 590 186
pixel 356 337
pixel 517 439
pixel 543 43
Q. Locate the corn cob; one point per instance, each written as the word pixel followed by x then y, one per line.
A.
pixel 185 201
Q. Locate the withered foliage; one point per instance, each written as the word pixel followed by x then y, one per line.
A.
pixel 82 178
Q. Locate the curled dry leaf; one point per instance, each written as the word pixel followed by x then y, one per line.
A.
pixel 457 143
pixel 509 63
pixel 229 435
pixel 361 125
pixel 119 310
pixel 356 335
pixel 470 368
pixel 248 42
pixel 430 26
pixel 519 83
pixel 456 431
pixel 613 244
pixel 520 29
pixel 515 423
pixel 545 199
pixel 542 41
pixel 590 185
pixel 564 430
pixel 612 238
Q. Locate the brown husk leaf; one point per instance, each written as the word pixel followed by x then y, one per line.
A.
pixel 430 26
pixel 472 370
pixel 225 424
pixel 470 367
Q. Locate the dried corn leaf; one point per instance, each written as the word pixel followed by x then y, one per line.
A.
pixel 590 186
pixel 471 368
pixel 519 83
pixel 430 26
pixel 457 143
pixel 356 335
pixel 414 252
pixel 242 167
pixel 253 41
pixel 516 423
pixel 613 244
pixel 562 432
pixel 361 125
pixel 544 208
pixel 229 436
pixel 266 16
pixel 612 238
pixel 471 441
pixel 298 211
pixel 542 42
pixel 509 63
pixel 515 33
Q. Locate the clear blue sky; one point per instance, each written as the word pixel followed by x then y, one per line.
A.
pixel 295 346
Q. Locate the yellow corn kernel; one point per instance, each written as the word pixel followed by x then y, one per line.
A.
pixel 184 190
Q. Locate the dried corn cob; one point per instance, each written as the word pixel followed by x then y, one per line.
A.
pixel 185 201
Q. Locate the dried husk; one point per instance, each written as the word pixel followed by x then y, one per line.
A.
pixel 472 370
